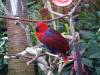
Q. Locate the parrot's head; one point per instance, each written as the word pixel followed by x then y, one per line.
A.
pixel 41 26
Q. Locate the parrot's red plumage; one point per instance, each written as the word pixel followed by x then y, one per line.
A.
pixel 51 39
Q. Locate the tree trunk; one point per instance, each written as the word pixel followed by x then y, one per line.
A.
pixel 17 40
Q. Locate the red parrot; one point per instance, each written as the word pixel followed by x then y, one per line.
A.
pixel 52 39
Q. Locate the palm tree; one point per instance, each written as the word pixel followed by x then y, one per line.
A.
pixel 17 39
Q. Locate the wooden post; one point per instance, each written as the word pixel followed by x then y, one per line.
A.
pixel 17 40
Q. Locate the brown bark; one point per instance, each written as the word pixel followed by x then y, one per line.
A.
pixel 17 40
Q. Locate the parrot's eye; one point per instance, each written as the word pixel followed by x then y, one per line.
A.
pixel 37 28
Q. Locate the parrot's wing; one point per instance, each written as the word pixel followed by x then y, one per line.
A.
pixel 54 41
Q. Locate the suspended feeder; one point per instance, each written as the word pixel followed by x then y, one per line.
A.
pixel 62 2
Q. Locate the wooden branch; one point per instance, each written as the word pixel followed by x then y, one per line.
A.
pixel 14 18
pixel 33 21
pixel 59 14
pixel 52 15
pixel 56 13
pixel 74 8
pixel 77 62
pixel 53 12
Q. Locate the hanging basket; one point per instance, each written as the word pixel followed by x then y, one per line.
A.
pixel 62 2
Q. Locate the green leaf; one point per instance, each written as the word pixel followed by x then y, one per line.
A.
pixel 67 28
pixel 98 70
pixel 93 50
pixel 87 35
pixel 33 11
pixel 98 13
pixel 82 44
pixel 98 36
pixel 87 62
pixel 95 55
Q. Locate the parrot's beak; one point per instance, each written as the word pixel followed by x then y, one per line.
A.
pixel 36 28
